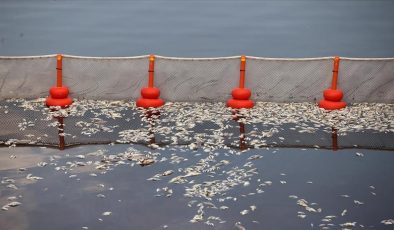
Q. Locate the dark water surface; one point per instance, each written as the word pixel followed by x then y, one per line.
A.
pixel 66 197
pixel 198 28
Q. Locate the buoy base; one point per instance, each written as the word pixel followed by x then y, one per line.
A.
pixel 59 97
pixel 332 99
pixel 147 103
pixel 240 104
pixel 64 102
pixel 332 105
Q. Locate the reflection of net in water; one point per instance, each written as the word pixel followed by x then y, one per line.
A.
pixel 211 125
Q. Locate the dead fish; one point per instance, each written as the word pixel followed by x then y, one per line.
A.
pixel 254 157
pixel 31 177
pixel 348 224
pixel 80 163
pixel 344 212
pixel 145 162
pixel 41 164
pixel 106 213
pixel 167 173
pixel 197 218
pixel 358 202
pixel 387 222
pixel 12 204
pixel 244 212
pixel 12 186
pixel 239 226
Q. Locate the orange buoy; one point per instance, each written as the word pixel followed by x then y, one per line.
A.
pixel 241 95
pixel 333 96
pixel 58 95
pixel 150 95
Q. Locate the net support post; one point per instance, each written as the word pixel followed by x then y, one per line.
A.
pixel 58 95
pixel 241 95
pixel 333 96
pixel 150 95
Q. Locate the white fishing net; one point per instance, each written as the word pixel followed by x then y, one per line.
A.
pixel 199 79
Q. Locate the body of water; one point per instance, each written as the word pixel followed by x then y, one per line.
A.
pixel 198 28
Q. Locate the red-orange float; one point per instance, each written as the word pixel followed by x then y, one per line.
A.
pixel 332 105
pixel 150 92
pixel 241 93
pixel 148 103
pixel 150 95
pixel 333 96
pixel 58 95
pixel 59 92
pixel 240 104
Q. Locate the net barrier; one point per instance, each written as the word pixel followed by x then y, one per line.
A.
pixel 199 79
pixel 285 92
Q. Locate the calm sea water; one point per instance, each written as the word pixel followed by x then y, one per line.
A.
pixel 197 28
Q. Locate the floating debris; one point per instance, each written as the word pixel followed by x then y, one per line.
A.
pixel 42 164
pixel 12 204
pixel 348 224
pixel 344 212
pixel 167 173
pixel 33 178
pixel 146 162
pixel 358 202
pixel 167 192
pixel 387 222
pixel 239 226
pixel 244 212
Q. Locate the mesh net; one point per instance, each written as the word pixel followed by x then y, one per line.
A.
pixel 288 80
pixel 367 80
pixel 101 78
pixel 210 125
pixel 199 80
pixel 26 77
pixel 207 82
pixel 196 80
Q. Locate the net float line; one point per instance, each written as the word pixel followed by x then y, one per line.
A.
pixel 241 94
pixel 333 96
pixel 150 95
pixel 59 93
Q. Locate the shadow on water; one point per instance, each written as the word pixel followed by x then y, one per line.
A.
pixel 334 138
